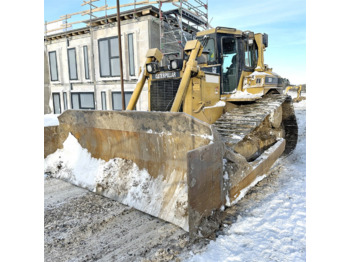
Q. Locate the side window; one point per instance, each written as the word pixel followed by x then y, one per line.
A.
pixel 250 53
pixel 230 75
pixel 53 66
pixel 72 64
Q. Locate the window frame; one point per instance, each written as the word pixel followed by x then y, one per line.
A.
pixel 80 107
pixel 76 67
pixel 110 57
pixel 54 52
pixel 86 61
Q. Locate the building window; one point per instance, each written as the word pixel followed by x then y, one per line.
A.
pixel 53 66
pixel 65 101
pixel 131 55
pixel 72 64
pixel 83 101
pixel 103 100
pixel 86 62
pixel 117 100
pixel 56 103
pixel 109 57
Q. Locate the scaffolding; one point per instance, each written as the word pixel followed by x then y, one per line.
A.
pixel 179 25
pixel 176 25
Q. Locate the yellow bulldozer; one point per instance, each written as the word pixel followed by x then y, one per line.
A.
pixel 217 121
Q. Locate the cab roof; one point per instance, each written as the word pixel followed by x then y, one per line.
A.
pixel 224 30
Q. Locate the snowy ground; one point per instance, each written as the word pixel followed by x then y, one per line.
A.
pixel 268 224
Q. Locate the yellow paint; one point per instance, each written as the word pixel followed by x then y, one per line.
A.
pixel 154 53
pixel 223 30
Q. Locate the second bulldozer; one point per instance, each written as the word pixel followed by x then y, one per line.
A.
pixel 217 121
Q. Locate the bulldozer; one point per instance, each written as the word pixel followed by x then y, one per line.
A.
pixel 217 121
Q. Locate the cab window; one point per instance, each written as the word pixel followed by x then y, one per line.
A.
pixel 209 46
pixel 250 54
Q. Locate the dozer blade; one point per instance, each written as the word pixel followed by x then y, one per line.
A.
pixel 168 165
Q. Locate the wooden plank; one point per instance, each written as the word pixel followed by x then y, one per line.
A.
pixel 88 2
pixel 54 21
pixel 95 10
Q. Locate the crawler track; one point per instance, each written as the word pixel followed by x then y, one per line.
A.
pixel 241 121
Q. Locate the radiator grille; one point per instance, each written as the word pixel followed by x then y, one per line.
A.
pixel 163 93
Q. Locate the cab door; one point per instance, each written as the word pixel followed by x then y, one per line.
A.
pixel 229 65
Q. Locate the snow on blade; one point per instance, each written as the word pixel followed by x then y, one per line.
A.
pixel 73 164
pixel 119 179
pixel 51 120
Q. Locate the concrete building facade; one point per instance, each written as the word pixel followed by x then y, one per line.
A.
pixel 73 59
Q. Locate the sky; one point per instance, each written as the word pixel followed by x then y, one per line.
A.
pixel 283 21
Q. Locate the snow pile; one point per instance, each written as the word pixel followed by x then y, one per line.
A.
pixel 51 120
pixel 269 223
pixel 73 164
pixel 121 180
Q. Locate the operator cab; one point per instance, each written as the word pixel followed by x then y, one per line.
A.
pixel 228 52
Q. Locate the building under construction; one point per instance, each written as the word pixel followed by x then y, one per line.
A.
pixel 83 64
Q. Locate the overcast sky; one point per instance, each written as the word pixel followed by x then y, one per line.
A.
pixel 283 21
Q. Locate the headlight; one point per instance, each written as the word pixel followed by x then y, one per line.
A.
pixel 176 64
pixel 152 68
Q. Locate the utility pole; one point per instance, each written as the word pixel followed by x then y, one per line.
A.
pixel 120 58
